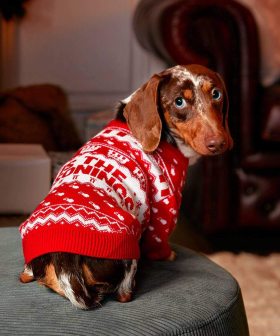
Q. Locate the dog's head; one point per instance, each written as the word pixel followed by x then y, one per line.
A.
pixel 190 102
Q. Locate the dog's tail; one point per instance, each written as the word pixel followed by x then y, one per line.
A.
pixel 64 273
pixel 77 286
pixel 81 279
pixel 74 288
pixel 85 280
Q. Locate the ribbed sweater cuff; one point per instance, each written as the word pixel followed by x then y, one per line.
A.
pixel 80 241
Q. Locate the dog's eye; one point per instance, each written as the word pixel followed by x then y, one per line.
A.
pixel 216 94
pixel 180 102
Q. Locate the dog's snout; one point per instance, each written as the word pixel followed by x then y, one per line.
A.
pixel 215 143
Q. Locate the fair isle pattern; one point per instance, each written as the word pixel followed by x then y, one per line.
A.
pixel 65 214
pixel 112 187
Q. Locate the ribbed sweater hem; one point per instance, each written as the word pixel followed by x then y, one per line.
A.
pixel 80 241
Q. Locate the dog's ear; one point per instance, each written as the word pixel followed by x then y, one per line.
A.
pixel 225 111
pixel 142 116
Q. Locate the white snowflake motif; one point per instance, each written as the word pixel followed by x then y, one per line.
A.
pixel 70 200
pixel 173 211
pixel 166 201
pixel 159 149
pixel 163 221
pixel 59 194
pixel 74 186
pixel 100 193
pixel 109 204
pixel 173 170
pixel 83 194
pixel 119 216
pixel 110 142
pixel 97 207
pixel 155 210
pixel 157 239
pixel 175 161
pixel 47 203
pixel 151 228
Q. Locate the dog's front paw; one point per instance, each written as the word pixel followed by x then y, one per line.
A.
pixel 172 256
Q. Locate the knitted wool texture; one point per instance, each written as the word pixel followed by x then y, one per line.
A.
pixel 108 196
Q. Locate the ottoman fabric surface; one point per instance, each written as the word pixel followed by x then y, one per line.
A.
pixel 191 296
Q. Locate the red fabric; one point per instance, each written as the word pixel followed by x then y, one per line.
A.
pixel 108 196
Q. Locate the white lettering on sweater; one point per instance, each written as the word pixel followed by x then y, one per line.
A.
pixel 108 174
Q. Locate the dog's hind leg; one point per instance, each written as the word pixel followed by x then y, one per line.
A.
pixel 62 273
pixel 127 286
pixel 27 274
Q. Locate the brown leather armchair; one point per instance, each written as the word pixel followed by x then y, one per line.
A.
pixel 239 189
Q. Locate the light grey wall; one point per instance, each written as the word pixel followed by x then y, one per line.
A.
pixel 86 46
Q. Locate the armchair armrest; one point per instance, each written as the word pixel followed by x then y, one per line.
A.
pixel 221 35
pixel 270 115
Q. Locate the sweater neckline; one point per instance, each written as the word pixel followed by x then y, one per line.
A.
pixel 168 149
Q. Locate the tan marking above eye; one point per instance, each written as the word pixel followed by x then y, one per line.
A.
pixel 206 86
pixel 188 94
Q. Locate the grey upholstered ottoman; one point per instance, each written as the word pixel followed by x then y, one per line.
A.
pixel 191 296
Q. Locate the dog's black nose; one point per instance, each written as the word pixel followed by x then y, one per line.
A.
pixel 215 143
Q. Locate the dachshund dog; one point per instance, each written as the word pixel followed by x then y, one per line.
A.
pixel 185 108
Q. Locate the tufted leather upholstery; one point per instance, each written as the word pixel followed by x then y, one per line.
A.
pixel 270 115
pixel 239 189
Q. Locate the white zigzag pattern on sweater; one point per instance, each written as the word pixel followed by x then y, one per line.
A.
pixel 72 218
pixel 75 207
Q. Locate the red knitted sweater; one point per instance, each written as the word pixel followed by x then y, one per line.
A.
pixel 108 196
